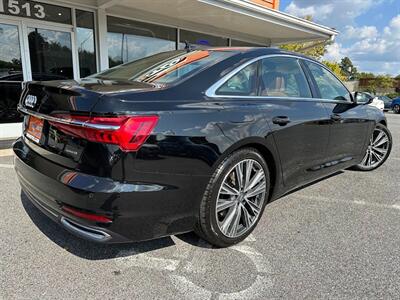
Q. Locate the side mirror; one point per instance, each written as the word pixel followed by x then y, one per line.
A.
pixel 362 98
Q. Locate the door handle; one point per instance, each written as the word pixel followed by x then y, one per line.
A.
pixel 281 120
pixel 336 117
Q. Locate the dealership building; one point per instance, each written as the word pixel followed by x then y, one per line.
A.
pixel 52 40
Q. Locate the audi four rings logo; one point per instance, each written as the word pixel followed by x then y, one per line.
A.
pixel 30 101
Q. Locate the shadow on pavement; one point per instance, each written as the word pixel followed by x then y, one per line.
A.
pixel 86 249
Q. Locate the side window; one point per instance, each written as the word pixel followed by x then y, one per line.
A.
pixel 242 83
pixel 283 77
pixel 329 86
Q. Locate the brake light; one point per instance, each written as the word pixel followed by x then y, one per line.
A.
pixel 128 132
pixel 85 215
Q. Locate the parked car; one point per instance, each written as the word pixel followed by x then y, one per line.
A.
pixel 387 102
pixel 189 140
pixel 365 97
pixel 396 105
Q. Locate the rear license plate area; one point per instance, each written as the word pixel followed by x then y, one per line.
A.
pixel 34 130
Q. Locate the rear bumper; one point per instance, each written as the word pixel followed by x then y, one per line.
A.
pixel 139 211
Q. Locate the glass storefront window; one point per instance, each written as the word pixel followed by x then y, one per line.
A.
pixel 130 40
pixel 10 74
pixel 237 43
pixel 85 42
pixel 197 38
pixel 50 53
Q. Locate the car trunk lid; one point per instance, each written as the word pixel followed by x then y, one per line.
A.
pixel 59 123
pixel 52 97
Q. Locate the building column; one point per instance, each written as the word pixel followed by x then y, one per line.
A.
pixel 102 39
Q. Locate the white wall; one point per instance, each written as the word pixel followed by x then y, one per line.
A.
pixel 10 131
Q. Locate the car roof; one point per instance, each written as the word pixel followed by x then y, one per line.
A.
pixel 259 51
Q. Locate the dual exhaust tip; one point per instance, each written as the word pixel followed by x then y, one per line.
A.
pixel 84 231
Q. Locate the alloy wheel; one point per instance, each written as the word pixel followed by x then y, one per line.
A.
pixel 396 109
pixel 241 198
pixel 377 150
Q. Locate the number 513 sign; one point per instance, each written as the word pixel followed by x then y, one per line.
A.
pixel 23 8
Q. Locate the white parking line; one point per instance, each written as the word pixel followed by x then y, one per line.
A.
pixel 144 260
pixel 180 269
pixel 7 166
pixel 395 206
pixel 6 152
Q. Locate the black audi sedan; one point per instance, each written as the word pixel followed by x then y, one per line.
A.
pixel 189 140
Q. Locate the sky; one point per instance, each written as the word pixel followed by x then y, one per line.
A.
pixel 369 30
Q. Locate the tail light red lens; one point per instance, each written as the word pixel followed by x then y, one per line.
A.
pixel 85 215
pixel 128 132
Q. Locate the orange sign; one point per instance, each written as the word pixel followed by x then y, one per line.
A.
pixel 274 4
pixel 173 64
pixel 35 128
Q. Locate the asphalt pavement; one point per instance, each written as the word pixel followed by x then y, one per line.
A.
pixel 338 238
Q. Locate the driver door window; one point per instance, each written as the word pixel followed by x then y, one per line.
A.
pixel 328 85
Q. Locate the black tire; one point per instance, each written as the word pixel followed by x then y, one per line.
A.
pixel 207 226
pixel 362 167
pixel 396 109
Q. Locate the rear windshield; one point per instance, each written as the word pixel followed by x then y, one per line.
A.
pixel 165 67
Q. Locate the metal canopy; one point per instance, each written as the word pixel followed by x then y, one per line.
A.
pixel 235 19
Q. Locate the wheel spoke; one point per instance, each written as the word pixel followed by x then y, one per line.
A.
pixel 365 158
pixel 228 220
pixel 370 159
pixel 380 150
pixel 224 204
pixel 249 169
pixel 247 217
pixel 378 158
pixel 256 179
pixel 260 188
pixel 229 190
pixel 239 175
pixel 235 224
pixel 380 142
pixel 380 135
pixel 254 207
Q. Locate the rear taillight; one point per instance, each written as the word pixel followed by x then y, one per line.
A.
pixel 128 132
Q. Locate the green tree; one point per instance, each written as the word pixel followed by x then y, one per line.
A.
pixel 335 68
pixel 348 69
pixel 366 75
pixel 313 49
pixel 384 81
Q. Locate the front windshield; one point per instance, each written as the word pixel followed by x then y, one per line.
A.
pixel 165 67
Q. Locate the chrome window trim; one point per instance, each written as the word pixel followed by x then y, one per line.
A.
pixel 211 91
pixel 67 122
pixel 11 81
